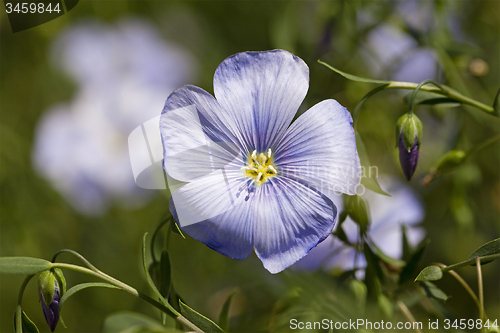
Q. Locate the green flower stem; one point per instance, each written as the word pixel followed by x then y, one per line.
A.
pixel 484 144
pixel 357 108
pixel 470 262
pixel 463 283
pixel 438 88
pixel 480 291
pixel 466 287
pixel 169 311
pixel 82 258
pixel 19 310
pixel 162 223
pixel 420 85
pixel 443 90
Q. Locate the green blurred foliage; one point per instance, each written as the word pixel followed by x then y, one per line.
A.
pixel 462 206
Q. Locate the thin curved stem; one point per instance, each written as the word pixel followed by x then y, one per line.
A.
pixel 76 254
pixel 125 287
pixel 480 292
pixel 19 309
pixel 470 262
pixel 462 282
pixel 408 315
pixel 439 88
pixel 443 90
pixel 357 108
pixel 162 223
pixel 99 275
pixel 484 144
pixel 420 85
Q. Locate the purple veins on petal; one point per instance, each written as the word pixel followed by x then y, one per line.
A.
pixel 252 180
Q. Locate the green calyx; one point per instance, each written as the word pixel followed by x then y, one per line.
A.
pixel 358 210
pixel 50 283
pixel 451 160
pixel 409 128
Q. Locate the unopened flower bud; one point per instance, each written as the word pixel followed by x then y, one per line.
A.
pixel 358 210
pixel 408 137
pixel 51 285
pixel 451 160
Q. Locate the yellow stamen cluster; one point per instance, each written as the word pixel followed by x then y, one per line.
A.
pixel 260 167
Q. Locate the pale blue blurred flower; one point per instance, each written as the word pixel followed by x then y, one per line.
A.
pixel 393 52
pixel 253 180
pixel 123 72
pixel 388 215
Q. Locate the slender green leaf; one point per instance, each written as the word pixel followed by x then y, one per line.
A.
pixel 431 98
pixel 496 103
pixel 430 273
pixel 28 326
pixel 357 108
pixel 131 322
pixel 385 305
pixel 432 291
pixel 407 250
pixel 205 324
pixel 165 275
pixel 342 218
pixel 368 179
pixel 23 265
pixel 175 228
pixel 385 258
pixel 340 234
pixel 150 281
pixel 411 267
pixel 353 77
pixel 82 286
pixel 224 313
pixel 373 260
pixel 374 273
pixel 154 272
pixel 487 249
pixel 175 298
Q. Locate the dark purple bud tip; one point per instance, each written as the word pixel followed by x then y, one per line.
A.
pixel 408 159
pixel 51 312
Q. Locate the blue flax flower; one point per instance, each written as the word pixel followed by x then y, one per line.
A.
pixel 250 178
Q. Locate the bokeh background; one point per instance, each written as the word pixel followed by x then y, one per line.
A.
pixel 74 88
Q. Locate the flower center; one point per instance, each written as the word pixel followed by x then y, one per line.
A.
pixel 260 167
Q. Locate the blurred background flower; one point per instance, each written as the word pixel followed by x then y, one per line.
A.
pixel 396 48
pixel 123 72
pixel 388 216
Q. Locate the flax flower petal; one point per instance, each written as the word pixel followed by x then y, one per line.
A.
pixel 319 148
pixel 260 93
pixel 215 211
pixel 195 141
pixel 290 219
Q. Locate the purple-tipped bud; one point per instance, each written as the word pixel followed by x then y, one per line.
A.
pixel 51 285
pixel 408 159
pixel 51 312
pixel 408 136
